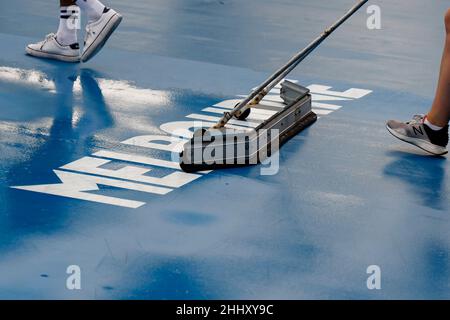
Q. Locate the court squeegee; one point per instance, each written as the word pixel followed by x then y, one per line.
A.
pixel 226 146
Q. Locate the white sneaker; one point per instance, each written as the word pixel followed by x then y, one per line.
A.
pixel 98 32
pixel 50 48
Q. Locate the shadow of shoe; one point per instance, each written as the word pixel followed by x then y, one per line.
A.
pixel 423 175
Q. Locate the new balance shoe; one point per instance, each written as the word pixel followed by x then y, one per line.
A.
pixel 98 32
pixel 420 135
pixel 50 48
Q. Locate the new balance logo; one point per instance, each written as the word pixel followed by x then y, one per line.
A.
pixel 417 130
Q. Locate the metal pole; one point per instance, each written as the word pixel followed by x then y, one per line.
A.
pixel 259 93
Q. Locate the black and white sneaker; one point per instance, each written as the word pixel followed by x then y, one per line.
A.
pixel 420 135
pixel 50 48
pixel 98 32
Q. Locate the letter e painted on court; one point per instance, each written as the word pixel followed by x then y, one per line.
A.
pixel 138 174
pixel 73 282
pixel 374 280
pixel 323 93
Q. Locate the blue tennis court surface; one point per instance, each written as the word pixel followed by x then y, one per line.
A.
pixel 87 177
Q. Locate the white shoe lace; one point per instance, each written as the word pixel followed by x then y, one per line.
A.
pixel 50 37
pixel 89 33
pixel 417 119
pixel 47 38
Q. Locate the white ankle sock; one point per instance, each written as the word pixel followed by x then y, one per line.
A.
pixel 67 31
pixel 93 8
pixel 432 126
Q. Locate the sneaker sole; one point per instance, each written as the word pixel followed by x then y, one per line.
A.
pixel 102 37
pixel 422 144
pixel 54 56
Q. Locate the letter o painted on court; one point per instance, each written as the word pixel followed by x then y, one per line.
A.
pixel 73 282
pixel 374 280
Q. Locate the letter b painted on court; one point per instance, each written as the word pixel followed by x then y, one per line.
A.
pixel 374 280
pixel 73 282
pixel 374 19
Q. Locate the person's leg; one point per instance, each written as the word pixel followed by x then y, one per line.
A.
pixel 67 30
pixel 93 8
pixel 67 3
pixel 440 111
pixel 430 132
pixel 63 45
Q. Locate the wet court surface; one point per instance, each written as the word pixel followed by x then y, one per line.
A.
pixel 87 178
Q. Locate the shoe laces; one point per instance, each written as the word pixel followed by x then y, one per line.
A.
pixel 89 31
pixel 417 119
pixel 50 36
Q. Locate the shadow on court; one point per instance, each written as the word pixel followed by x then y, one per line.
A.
pixel 423 175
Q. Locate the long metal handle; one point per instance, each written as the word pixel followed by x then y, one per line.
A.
pixel 260 92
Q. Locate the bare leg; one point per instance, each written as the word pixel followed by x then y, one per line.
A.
pixel 67 3
pixel 440 111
